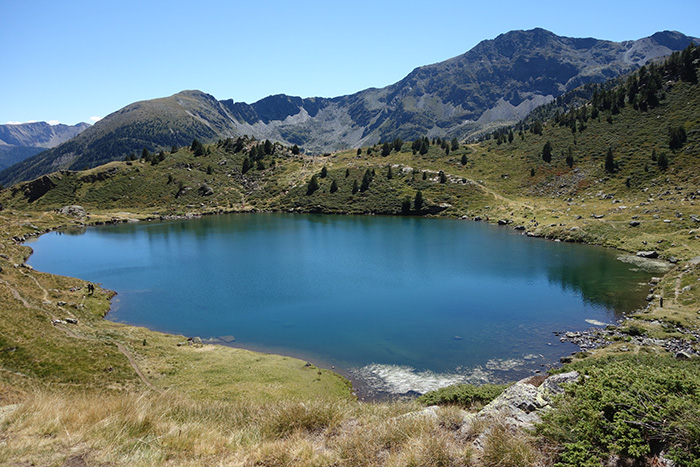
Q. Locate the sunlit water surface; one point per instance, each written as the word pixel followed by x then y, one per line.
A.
pixel 396 304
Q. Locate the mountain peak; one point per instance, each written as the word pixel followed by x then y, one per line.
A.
pixel 498 82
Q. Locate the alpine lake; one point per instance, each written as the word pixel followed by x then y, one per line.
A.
pixel 396 304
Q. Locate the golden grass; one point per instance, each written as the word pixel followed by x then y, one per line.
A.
pixel 168 429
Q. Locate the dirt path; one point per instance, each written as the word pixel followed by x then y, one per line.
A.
pixel 74 335
pixel 137 369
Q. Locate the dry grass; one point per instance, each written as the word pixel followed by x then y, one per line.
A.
pixel 169 429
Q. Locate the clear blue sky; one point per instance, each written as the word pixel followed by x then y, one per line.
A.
pixel 72 60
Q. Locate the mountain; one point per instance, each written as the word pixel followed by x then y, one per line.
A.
pixel 497 82
pixel 18 142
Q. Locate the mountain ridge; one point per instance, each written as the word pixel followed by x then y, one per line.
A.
pixel 22 140
pixel 499 81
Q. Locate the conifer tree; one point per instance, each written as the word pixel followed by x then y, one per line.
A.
pixel 313 185
pixel 406 206
pixel 366 180
pixel 547 152
pixel 386 149
pixel 610 165
pixel 418 201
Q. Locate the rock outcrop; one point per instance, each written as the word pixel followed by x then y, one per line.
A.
pixel 74 211
pixel 521 404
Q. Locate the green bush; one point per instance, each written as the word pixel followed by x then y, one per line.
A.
pixel 632 406
pixel 464 395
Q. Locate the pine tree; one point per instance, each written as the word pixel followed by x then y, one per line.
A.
pixel 610 165
pixel 536 128
pixel 418 201
pixel 406 206
pixel 455 144
pixel 464 159
pixel 313 185
pixel 547 152
pixel 355 187
pixel 324 172
pixel 424 146
pixel 197 148
pixel 676 137
pixel 386 149
pixel 247 165
pixel 366 180
pixel 570 158
pixel 268 148
pixel 334 186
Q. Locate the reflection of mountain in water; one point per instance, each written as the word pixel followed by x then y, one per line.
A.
pixel 602 282
pixel 593 273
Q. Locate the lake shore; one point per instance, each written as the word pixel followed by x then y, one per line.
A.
pixel 131 217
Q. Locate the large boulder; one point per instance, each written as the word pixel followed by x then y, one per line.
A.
pixel 521 404
pixel 648 254
pixel 74 211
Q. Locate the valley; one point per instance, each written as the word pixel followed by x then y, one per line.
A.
pixel 623 179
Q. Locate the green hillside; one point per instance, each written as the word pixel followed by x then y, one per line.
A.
pixel 620 171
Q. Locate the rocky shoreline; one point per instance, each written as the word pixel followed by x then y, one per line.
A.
pixel 597 338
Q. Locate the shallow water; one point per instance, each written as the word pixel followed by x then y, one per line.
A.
pixel 406 304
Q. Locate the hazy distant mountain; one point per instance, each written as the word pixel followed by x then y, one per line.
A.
pixel 18 142
pixel 496 82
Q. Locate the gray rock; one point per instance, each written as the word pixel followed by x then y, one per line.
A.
pixel 206 190
pixel 521 403
pixel 634 223
pixel 683 356
pixel 648 254
pixel 553 385
pixel 74 211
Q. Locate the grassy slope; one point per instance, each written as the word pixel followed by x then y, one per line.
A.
pixel 88 363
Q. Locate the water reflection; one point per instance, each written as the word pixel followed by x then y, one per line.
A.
pixel 435 296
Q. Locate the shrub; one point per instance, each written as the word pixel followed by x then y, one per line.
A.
pixel 631 406
pixel 464 395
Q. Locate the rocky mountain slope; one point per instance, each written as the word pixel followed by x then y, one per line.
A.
pixel 497 82
pixel 17 142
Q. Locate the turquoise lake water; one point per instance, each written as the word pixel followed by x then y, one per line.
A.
pixel 398 304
